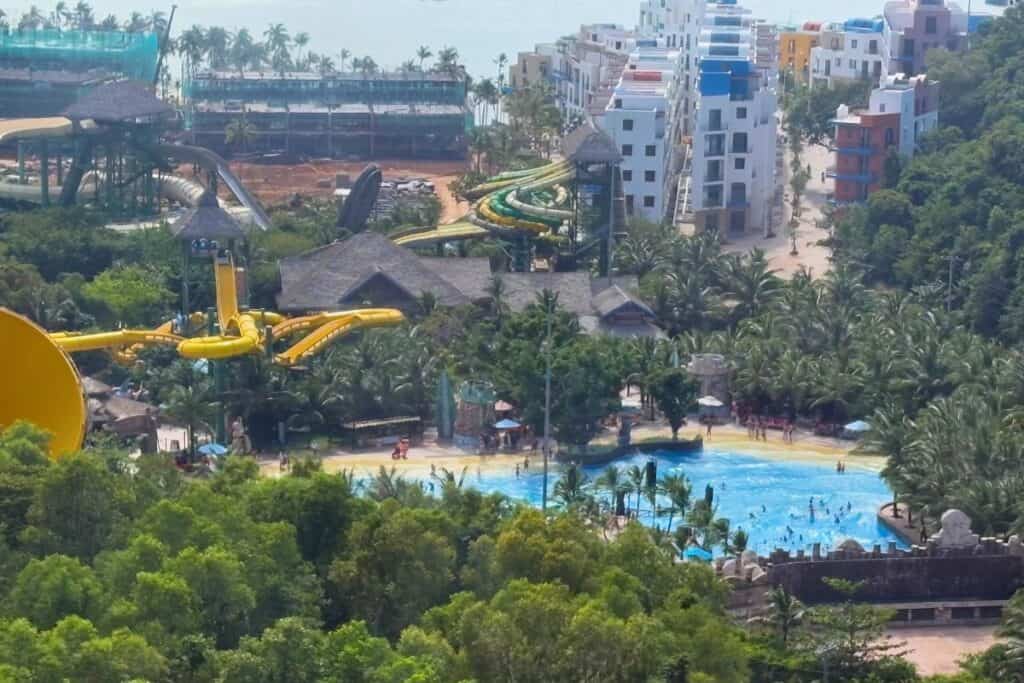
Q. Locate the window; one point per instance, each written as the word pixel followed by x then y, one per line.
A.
pixel 931 25
pixel 651 150
pixel 712 196
pixel 627 124
pixel 629 204
pixel 853 63
pixel 740 164
pixel 715 119
pixel 713 172
pixel 627 176
pixel 618 44
pixel 792 46
pixel 739 143
pixel 649 176
pixel 618 103
pixel 648 201
pixel 741 112
pixel 853 44
pixel 881 108
pixel 627 150
pixel 714 145
pixel 873 47
pixel 737 194
pixel 890 136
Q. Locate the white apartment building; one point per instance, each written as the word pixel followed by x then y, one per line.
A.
pixel 677 23
pixel 638 119
pixel 734 144
pixel 852 50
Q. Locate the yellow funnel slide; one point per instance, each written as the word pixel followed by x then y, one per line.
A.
pixel 40 384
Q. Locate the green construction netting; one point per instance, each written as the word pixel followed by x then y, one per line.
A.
pixel 133 55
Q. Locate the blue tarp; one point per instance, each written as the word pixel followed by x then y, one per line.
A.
pixel 697 553
pixel 212 449
pixel 858 426
pixel 507 424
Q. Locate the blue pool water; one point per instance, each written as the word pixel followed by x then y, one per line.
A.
pixel 743 484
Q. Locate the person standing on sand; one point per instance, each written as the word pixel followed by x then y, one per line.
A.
pixel 517 470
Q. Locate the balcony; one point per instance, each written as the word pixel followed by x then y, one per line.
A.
pixel 853 177
pixel 862 150
pixel 740 202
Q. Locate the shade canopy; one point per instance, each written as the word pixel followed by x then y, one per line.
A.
pixel 212 449
pixel 507 424
pixel 697 553
pixel 858 426
pixel 710 402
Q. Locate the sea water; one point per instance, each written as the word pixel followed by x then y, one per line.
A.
pixel 390 31
pixel 768 498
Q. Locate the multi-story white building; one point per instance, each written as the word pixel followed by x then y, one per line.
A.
pixel 852 50
pixel 677 23
pixel 734 144
pixel 640 117
pixel 580 69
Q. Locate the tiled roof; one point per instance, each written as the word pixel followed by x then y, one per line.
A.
pixel 119 101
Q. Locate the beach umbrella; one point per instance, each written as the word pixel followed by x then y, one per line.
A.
pixel 507 424
pixel 212 449
pixel 697 553
pixel 858 426
pixel 503 407
pixel 710 402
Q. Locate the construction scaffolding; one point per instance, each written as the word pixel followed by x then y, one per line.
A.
pixel 128 55
pixel 334 115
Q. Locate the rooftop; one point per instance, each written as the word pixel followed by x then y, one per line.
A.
pixel 235 75
pixel 587 144
pixel 119 101
pixel 207 220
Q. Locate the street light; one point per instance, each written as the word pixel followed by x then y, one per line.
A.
pixel 547 405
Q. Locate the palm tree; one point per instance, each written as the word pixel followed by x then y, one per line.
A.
pixel 31 20
pixel 278 41
pixel 242 50
pixel 83 14
pixel 192 45
pixel 136 23
pixel 423 53
pixel 635 474
pixel 677 489
pixel 486 94
pixel 343 57
pixel 59 16
pixel 157 23
pixel 239 132
pixel 217 44
pixel 497 292
pixel 752 284
pixel 408 67
pixel 301 40
pixel 571 488
pixel 448 62
pixel 367 66
pixel 326 66
pixel 785 614
pixel 109 23
pixel 192 407
pixel 612 481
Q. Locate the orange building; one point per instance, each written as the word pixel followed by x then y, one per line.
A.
pixel 795 49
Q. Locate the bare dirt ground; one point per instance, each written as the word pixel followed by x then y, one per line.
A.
pixel 936 650
pixel 274 184
pixel 811 255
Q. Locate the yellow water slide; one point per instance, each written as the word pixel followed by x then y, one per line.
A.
pixel 240 334
pixel 40 383
pixel 338 325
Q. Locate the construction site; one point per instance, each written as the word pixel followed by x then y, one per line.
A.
pixel 338 116
pixel 44 72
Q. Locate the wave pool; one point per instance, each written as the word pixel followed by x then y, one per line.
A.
pixel 768 498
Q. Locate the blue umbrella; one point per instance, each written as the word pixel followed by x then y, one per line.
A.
pixel 507 424
pixel 697 553
pixel 858 426
pixel 212 449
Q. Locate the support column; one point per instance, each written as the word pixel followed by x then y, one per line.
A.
pixel 185 304
pixel 44 171
pixel 21 162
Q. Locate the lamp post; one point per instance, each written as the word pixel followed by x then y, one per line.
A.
pixel 547 406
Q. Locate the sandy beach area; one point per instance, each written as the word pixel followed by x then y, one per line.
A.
pixel 806 448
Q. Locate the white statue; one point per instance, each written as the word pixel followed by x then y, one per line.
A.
pixel 955 532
